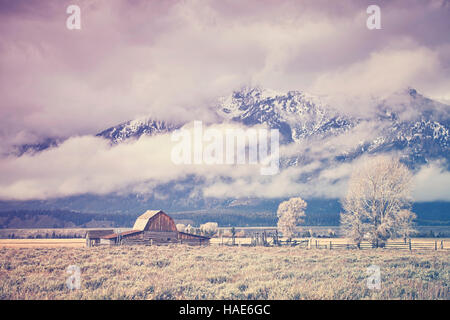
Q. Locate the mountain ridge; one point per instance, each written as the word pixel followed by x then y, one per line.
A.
pixel 300 116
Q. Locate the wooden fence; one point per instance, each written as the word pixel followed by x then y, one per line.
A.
pixel 333 244
pixel 398 245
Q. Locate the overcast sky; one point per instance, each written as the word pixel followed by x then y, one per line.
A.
pixel 172 59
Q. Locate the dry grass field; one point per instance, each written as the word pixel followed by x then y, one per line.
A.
pixel 42 243
pixel 220 272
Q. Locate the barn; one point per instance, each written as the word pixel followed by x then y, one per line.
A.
pixel 153 227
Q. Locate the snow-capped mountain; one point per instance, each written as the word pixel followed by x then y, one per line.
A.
pixel 407 123
pixel 414 125
pixel 136 128
pixel 296 114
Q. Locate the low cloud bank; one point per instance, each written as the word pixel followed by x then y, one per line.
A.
pixel 89 164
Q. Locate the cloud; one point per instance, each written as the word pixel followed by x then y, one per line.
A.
pixel 171 60
pixel 84 165
pixel 87 164
pixel 380 75
pixel 329 184
pixel 432 183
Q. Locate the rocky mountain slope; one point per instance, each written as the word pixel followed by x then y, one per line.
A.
pixel 135 129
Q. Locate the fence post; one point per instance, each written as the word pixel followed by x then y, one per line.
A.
pixel 330 245
pixel 316 244
pixel 442 244
pixel 409 244
pixel 435 245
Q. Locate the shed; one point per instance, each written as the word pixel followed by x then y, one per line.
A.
pixel 93 237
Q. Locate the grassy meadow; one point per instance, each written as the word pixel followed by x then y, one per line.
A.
pixel 42 243
pixel 221 272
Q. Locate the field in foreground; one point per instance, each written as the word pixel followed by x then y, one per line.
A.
pixel 42 243
pixel 215 272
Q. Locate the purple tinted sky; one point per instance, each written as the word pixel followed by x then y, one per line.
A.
pixel 172 59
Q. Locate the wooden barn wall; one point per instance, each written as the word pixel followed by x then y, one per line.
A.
pixel 189 236
pixel 134 236
pixel 148 237
pixel 194 242
pixel 192 239
pixel 161 235
pixel 161 222
pixel 162 238
pixel 107 241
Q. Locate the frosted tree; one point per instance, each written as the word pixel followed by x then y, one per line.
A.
pixel 209 228
pixel 405 223
pixel 189 229
pixel 352 224
pixel 290 214
pixel 181 227
pixel 378 202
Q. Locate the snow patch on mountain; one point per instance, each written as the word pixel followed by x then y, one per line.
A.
pixel 133 129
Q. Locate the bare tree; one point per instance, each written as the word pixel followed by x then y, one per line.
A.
pixel 290 214
pixel 378 202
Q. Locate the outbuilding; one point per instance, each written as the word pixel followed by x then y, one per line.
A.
pixel 94 237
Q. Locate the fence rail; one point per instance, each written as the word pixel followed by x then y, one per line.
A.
pixel 395 245
pixel 334 244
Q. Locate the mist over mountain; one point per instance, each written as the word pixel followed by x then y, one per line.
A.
pixel 407 122
pixel 314 133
